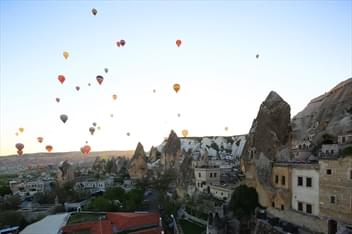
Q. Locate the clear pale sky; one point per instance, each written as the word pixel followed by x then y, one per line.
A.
pixel 304 47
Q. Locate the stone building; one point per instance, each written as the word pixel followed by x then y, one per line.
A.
pixel 206 176
pixel 281 180
pixel 335 197
pixel 222 192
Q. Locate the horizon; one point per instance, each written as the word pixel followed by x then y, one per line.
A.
pixel 304 51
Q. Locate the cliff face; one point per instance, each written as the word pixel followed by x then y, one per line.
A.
pixel 329 113
pixel 171 151
pixel 138 168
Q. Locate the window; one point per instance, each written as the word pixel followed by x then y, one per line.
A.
pixel 273 204
pixel 214 174
pixel 276 179
pixel 343 139
pixel 199 174
pixel 309 208
pixel 211 174
pixel 283 181
pixel 300 206
pixel 328 171
pixel 309 182
pixel 332 199
pixel 300 181
pixel 282 207
pixel 350 174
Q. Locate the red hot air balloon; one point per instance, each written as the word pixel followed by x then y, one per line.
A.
pixel 64 118
pixel 61 78
pixel 85 149
pixel 19 146
pixel 178 42
pixel 100 79
pixel 49 148
pixel 122 42
pixel 40 139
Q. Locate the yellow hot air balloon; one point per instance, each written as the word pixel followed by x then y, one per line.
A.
pixel 21 129
pixel 66 54
pixel 177 87
pixel 184 132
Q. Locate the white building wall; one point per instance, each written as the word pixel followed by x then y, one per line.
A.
pixel 304 194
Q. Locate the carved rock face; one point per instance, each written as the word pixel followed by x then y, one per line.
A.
pixel 138 165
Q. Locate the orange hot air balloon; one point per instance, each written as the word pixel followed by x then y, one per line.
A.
pixel 85 149
pixel 61 78
pixel 94 11
pixel 100 79
pixel 40 139
pixel 114 96
pixel 77 88
pixel 57 100
pixel 177 87
pixel 92 130
pixel 178 42
pixel 185 133
pixel 66 54
pixel 122 42
pixel 19 146
pixel 64 118
pixel 19 152
pixel 49 148
pixel 21 129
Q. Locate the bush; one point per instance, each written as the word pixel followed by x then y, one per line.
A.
pixel 12 218
pixel 347 151
pixel 243 201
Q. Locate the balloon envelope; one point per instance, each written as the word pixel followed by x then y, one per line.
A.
pixel 106 70
pixel 178 42
pixel 100 79
pixel 19 146
pixel 85 149
pixel 128 134
pixel 177 87
pixel 185 133
pixel 118 44
pixel 57 99
pixel 94 11
pixel 49 148
pixel 61 78
pixel 66 54
pixel 64 118
pixel 94 124
pixel 21 129
pixel 40 139
pixel 257 56
pixel 122 42
pixel 77 88
pixel 114 96
pixel 91 130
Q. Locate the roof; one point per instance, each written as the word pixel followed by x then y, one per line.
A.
pixel 131 220
pixel 51 224
pixel 94 227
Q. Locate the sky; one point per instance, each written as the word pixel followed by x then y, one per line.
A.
pixel 304 47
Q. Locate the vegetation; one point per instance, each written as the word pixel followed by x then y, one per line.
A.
pixel 189 227
pixel 243 201
pixel 13 218
pixel 10 202
pixel 83 217
pixel 347 151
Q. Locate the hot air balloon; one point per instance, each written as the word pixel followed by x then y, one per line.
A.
pixel 185 133
pixel 111 115
pixel 106 70
pixel 94 11
pixel 88 84
pixel 61 78
pixel 49 148
pixel 154 91
pixel 19 152
pixel 100 79
pixel 94 124
pixel 77 88
pixel 86 142
pixel 16 133
pixel 85 149
pixel 114 96
pixel 118 44
pixel 63 118
pixel 19 146
pixel 57 100
pixel 98 128
pixel 226 128
pixel 66 54
pixel 21 129
pixel 122 42
pixel 177 87
pixel 40 139
pixel 178 42
pixel 92 130
pixel 178 115
pixel 257 56
pixel 128 134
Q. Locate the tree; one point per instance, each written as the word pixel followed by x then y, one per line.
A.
pixel 101 204
pixel 11 202
pixel 243 201
pixel 4 189
pixel 12 218
pixel 115 193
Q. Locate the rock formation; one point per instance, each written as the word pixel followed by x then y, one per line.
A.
pixel 138 168
pixel 330 113
pixel 153 154
pixel 65 173
pixel 171 152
